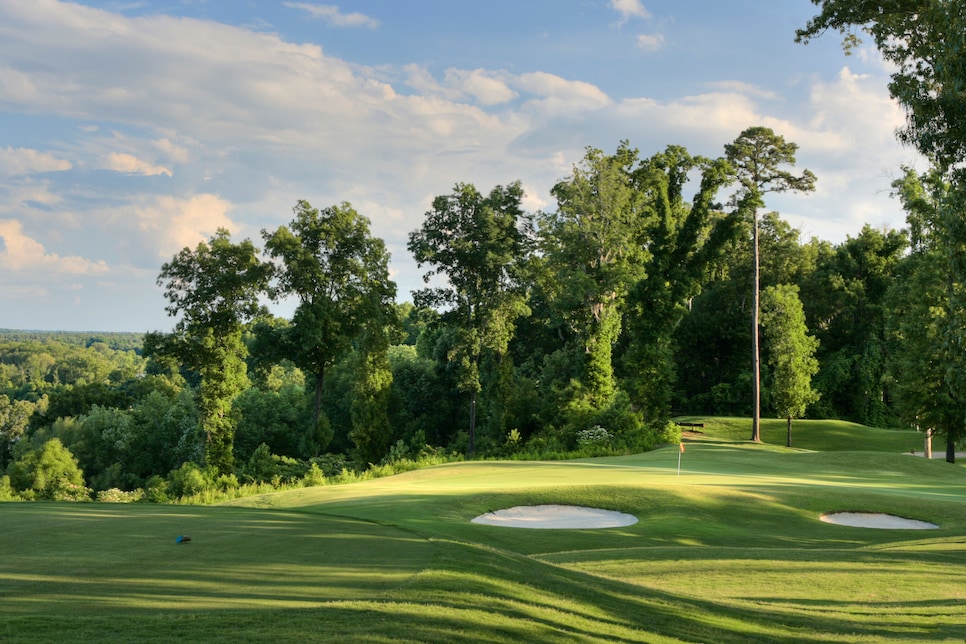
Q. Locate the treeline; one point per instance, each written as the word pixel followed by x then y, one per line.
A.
pixel 576 331
pixel 112 339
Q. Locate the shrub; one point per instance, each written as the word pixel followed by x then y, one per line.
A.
pixel 187 480
pixel 156 489
pixel 114 495
pixel 331 464
pixel 50 473
pixel 7 493
pixel 314 476
pixel 596 435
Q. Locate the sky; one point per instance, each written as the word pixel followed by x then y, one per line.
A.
pixel 131 129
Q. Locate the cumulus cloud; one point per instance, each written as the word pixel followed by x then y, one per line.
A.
pixel 486 88
pixel 23 161
pixel 21 253
pixel 211 82
pixel 333 16
pixel 481 86
pixel 555 95
pixel 129 164
pixel 172 224
pixel 629 9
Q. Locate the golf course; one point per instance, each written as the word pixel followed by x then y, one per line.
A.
pixel 729 546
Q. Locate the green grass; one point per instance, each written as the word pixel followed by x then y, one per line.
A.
pixel 732 550
pixel 817 435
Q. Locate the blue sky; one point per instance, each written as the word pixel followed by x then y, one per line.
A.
pixel 130 129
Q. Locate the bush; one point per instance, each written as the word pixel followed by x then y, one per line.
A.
pixel 314 476
pixel 596 435
pixel 7 493
pixel 332 465
pixel 156 489
pixel 50 473
pixel 187 480
pixel 114 495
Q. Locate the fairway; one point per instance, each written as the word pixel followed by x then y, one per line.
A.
pixel 731 550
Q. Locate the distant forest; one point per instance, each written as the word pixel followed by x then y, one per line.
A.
pixel 119 341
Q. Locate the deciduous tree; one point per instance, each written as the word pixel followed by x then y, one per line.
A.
pixel 339 274
pixel 684 241
pixel 214 289
pixel 791 353
pixel 926 42
pixel 478 244
pixel 592 245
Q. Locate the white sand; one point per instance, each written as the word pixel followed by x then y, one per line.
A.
pixel 576 517
pixel 555 517
pixel 876 520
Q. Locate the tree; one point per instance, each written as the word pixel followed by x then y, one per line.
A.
pixel 14 420
pixel 924 364
pixel 845 306
pixel 214 289
pixel 758 155
pixel 926 42
pixel 49 472
pixel 592 247
pixel 478 244
pixel 684 241
pixel 339 274
pixel 791 351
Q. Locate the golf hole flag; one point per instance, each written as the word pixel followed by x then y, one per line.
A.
pixel 681 446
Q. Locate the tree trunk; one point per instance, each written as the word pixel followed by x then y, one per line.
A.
pixel 319 380
pixel 788 440
pixel 950 450
pixel 755 354
pixel 928 445
pixel 470 447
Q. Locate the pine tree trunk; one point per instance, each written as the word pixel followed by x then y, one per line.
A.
pixel 755 353
pixel 470 447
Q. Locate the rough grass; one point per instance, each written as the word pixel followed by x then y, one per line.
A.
pixel 732 550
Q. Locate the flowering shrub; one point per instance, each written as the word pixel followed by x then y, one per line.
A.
pixel 70 492
pixel 114 495
pixel 596 435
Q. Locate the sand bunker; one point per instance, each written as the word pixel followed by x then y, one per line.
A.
pixel 555 517
pixel 876 520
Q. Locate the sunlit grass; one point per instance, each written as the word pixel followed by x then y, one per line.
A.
pixel 730 550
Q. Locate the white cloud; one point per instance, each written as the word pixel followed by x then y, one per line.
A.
pixel 21 253
pixel 558 95
pixel 333 16
pixel 630 9
pixel 650 42
pixel 173 151
pixel 481 86
pixel 748 89
pixel 23 161
pixel 172 224
pixel 129 164
pixel 486 88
